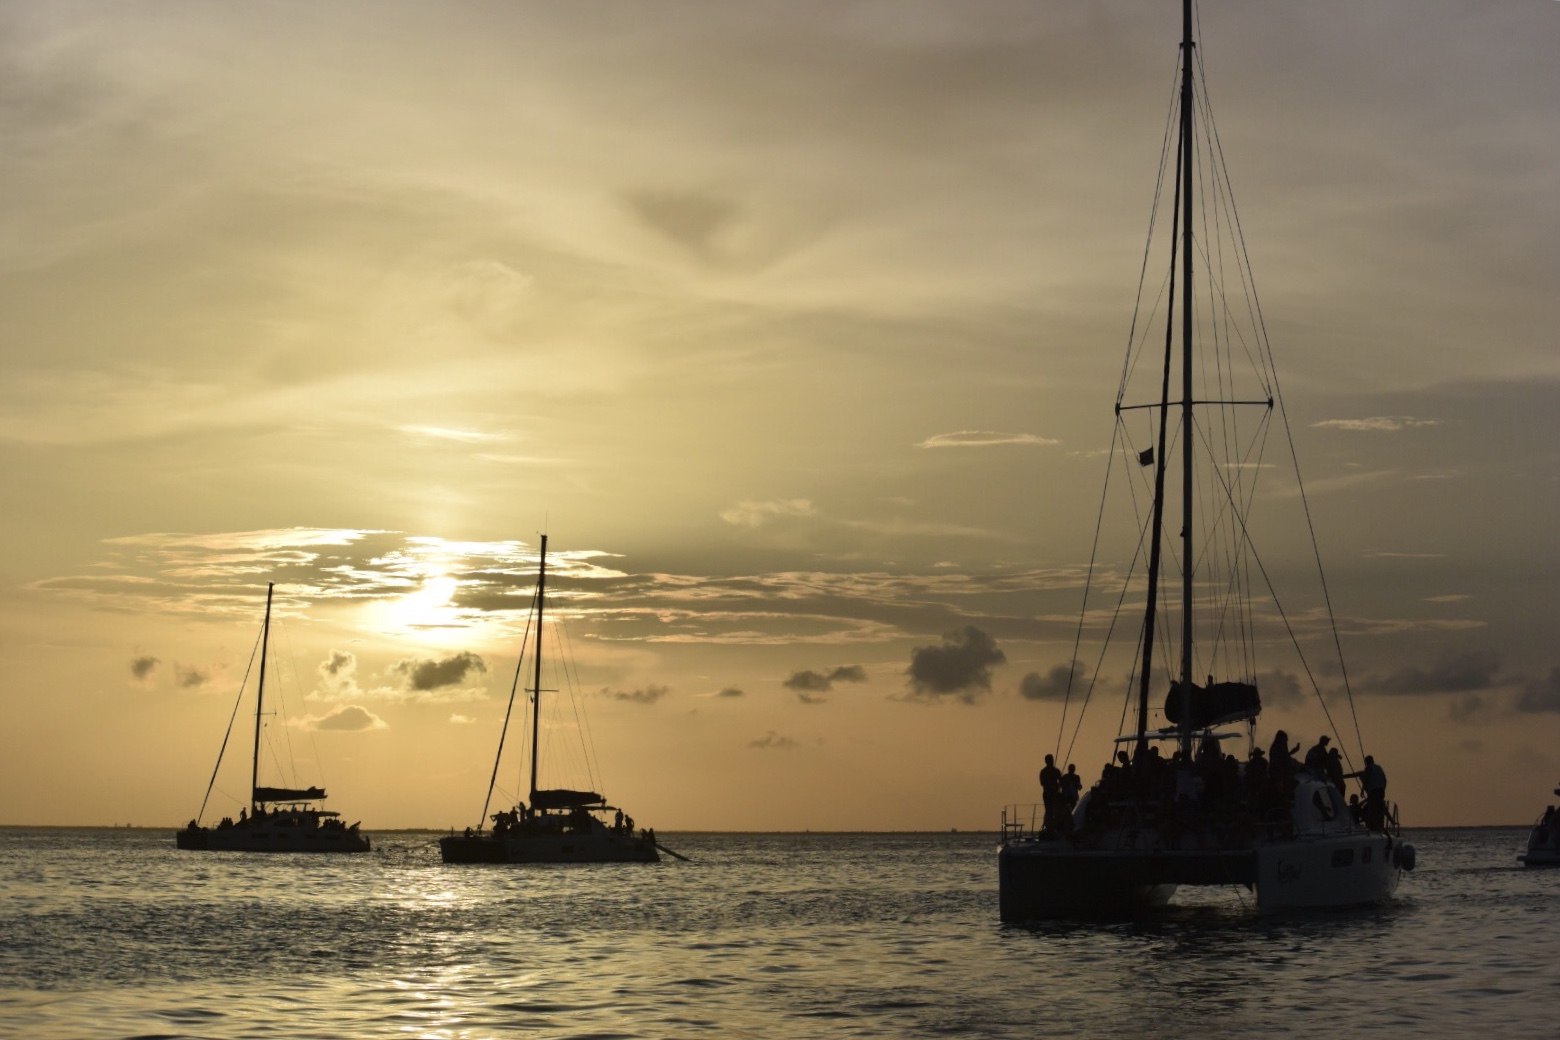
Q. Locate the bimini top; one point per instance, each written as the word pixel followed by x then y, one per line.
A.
pixel 1214 704
pixel 561 799
pixel 289 794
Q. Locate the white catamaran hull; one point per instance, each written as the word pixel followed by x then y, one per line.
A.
pixel 1336 871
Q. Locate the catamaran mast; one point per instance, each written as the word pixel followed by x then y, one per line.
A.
pixel 1181 229
pixel 536 685
pixel 265 638
pixel 1187 559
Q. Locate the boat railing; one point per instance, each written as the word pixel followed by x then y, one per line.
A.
pixel 1021 821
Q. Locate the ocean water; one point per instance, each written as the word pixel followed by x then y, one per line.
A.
pixel 114 933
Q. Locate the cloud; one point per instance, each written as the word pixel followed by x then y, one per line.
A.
pixel 757 514
pixel 730 691
pixel 808 684
pixel 648 695
pixel 983 439
pixel 959 667
pixel 1279 690
pixel 142 667
pixel 461 720
pixel 773 741
pixel 1054 685
pixel 345 718
pixel 1457 673
pixel 1541 696
pixel 1377 424
pixel 422 675
pixel 190 677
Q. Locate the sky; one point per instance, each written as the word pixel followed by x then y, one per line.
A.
pixel 797 328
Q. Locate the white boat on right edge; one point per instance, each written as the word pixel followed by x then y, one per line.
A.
pixel 1543 847
pixel 1195 813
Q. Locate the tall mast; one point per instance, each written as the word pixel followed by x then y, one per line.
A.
pixel 1187 545
pixel 536 685
pixel 1155 550
pixel 265 639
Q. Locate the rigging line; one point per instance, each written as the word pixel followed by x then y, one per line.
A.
pixel 570 676
pixel 1293 638
pixel 508 710
pixel 253 651
pixel 1110 630
pixel 1272 368
pixel 1088 583
pixel 1153 216
pixel 319 765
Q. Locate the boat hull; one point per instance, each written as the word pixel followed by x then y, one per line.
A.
pixel 546 847
pixel 1332 872
pixel 271 839
pixel 1040 880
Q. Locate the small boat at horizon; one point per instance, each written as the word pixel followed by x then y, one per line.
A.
pixel 277 819
pixel 1199 816
pixel 553 825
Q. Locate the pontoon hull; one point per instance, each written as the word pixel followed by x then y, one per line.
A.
pixel 270 839
pixel 608 847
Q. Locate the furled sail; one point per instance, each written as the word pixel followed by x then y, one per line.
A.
pixel 289 794
pixel 1214 704
pixel 562 799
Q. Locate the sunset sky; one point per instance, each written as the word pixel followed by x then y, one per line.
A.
pixel 796 326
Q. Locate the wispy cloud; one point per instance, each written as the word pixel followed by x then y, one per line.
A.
pixel 983 439
pixel 773 741
pixel 1377 424
pixel 757 514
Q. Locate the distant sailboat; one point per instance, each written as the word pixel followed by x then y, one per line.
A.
pixel 1200 816
pixel 278 819
pixel 554 825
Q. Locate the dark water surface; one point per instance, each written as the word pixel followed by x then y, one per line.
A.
pixel 114 933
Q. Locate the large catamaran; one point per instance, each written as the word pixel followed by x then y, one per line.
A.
pixel 277 819
pixel 553 825
pixel 1175 805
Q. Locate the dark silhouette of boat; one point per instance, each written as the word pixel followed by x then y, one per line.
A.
pixel 553 825
pixel 1199 815
pixel 277 819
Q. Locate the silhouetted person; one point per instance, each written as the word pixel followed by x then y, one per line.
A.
pixel 1333 764
pixel 1374 779
pixel 1316 756
pixel 1072 787
pixel 1280 754
pixel 1051 794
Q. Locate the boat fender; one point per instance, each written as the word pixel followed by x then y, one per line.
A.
pixel 1405 856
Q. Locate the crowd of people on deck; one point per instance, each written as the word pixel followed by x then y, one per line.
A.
pixel 281 818
pixel 1208 790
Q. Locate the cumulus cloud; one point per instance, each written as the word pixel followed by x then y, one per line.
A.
pixel 730 691
pixel 1456 673
pixel 757 514
pixel 1280 690
pixel 1377 424
pixel 424 674
pixel 190 677
pixel 647 695
pixel 982 439
pixel 808 684
pixel 142 667
pixel 461 720
pixel 773 741
pixel 345 718
pixel 960 666
pixel 1541 696
pixel 1053 685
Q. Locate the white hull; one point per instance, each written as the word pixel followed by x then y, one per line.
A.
pixel 1335 871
